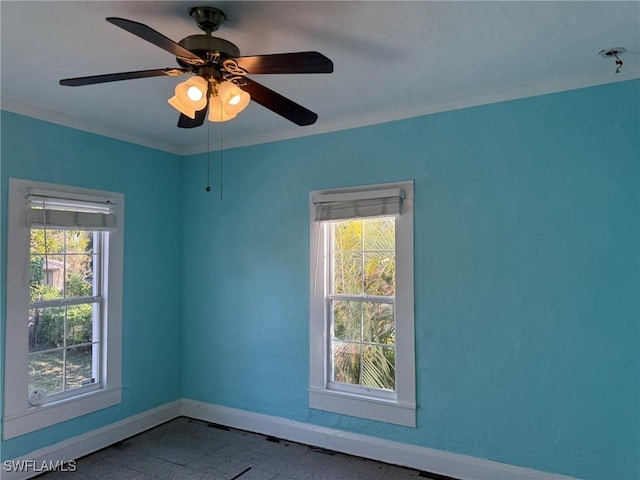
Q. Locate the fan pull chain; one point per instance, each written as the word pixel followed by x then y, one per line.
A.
pixel 221 150
pixel 208 189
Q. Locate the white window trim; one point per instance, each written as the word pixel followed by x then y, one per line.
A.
pixel 401 408
pixel 19 418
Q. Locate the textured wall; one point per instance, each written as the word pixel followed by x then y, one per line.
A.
pixel 150 180
pixel 526 278
pixel 526 237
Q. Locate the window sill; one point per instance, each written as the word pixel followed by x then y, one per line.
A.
pixel 389 411
pixel 35 418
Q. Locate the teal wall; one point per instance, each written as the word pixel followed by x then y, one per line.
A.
pixel 526 277
pixel 150 180
pixel 526 273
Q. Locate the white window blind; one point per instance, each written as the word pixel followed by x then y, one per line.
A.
pixel 64 213
pixel 367 203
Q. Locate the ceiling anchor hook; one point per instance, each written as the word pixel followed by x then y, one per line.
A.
pixel 615 53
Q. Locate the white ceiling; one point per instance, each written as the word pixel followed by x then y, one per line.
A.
pixel 392 60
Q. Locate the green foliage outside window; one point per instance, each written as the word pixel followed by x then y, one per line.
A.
pixel 69 252
pixel 363 337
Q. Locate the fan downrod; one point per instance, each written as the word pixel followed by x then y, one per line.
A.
pixel 208 19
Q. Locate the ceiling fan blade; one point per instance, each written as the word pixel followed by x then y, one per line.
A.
pixel 150 35
pixel 115 77
pixel 277 103
pixel 299 62
pixel 187 122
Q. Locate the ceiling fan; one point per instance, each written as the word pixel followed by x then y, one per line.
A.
pixel 218 80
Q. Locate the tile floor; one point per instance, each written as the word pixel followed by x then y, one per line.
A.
pixel 187 449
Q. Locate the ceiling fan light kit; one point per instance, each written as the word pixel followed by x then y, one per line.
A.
pixel 219 79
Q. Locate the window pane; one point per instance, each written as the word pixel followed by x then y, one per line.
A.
pixel 347 273
pixel 379 234
pixel 79 275
pixel 36 270
pixel 347 235
pixel 80 323
pixel 363 332
pixel 378 367
pixel 54 241
pixel 46 328
pixel 378 323
pixel 346 362
pixel 380 273
pixel 79 367
pixel 45 371
pixel 347 320
pixel 46 277
pixel 79 241
pixel 41 279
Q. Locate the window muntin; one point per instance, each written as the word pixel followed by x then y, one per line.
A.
pixel 65 311
pixel 361 303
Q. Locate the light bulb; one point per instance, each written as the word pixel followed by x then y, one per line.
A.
pixel 234 100
pixel 194 93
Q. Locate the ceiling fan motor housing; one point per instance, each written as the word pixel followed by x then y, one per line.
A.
pixel 206 46
pixel 212 49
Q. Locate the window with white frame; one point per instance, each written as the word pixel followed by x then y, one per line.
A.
pixel 361 312
pixel 64 304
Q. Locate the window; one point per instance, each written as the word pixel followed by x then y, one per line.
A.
pixel 361 315
pixel 64 304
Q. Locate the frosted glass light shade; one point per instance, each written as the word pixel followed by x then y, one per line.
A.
pixel 190 96
pixel 233 98
pixel 175 103
pixel 216 111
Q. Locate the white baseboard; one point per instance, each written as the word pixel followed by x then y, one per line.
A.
pixel 413 456
pixel 95 440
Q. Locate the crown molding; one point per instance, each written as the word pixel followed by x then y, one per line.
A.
pixel 418 109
